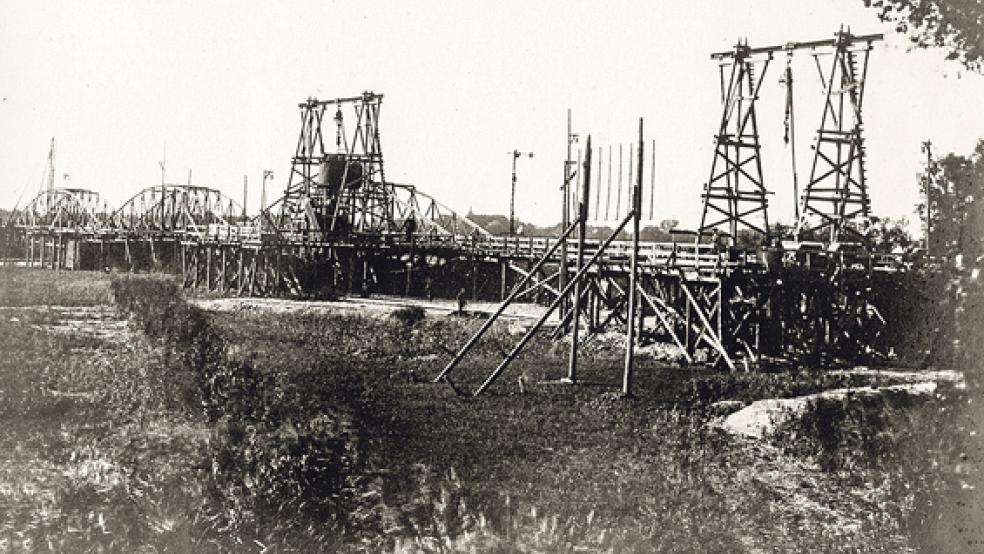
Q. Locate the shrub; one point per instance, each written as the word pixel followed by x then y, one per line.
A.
pixel 914 450
pixel 409 315
pixel 193 349
pixel 281 480
pixel 286 449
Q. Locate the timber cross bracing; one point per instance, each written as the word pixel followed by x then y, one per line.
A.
pixel 837 192
pixel 735 192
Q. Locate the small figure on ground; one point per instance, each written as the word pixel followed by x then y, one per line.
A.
pixel 461 301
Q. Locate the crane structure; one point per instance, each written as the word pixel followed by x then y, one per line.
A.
pixel 836 195
pixel 340 189
pixel 735 192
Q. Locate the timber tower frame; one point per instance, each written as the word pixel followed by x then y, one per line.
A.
pixel 735 191
pixel 837 191
pixel 340 190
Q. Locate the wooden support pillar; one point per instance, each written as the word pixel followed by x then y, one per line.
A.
pixel 334 263
pixel 278 271
pixel 474 275
pixel 595 302
pixel 182 263
pixel 240 277
pixel 208 268
pixel 720 313
pixel 410 267
pixel 351 272
pixel 252 273
pixel 633 274
pixel 196 256
pixel 264 264
pixel 502 278
pixel 224 271
pixel 153 254
pixel 128 254
pixel 687 340
pixel 582 222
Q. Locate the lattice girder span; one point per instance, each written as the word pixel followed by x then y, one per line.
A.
pixel 64 210
pixel 179 209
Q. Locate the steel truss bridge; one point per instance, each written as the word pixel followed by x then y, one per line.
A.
pixel 342 228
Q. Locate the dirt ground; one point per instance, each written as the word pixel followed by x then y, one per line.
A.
pixel 375 305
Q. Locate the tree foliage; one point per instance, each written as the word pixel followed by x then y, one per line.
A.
pixel 888 234
pixel 954 185
pixel 955 25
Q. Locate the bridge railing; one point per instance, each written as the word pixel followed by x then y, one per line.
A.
pixel 232 233
pixel 659 254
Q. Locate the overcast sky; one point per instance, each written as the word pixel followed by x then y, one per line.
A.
pixel 464 83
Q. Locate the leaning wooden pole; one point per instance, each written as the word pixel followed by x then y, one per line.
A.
pixel 517 290
pixel 630 323
pixel 582 224
pixel 550 310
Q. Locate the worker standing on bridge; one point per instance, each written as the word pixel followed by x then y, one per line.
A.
pixel 717 241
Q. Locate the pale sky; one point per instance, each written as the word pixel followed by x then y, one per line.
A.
pixel 464 83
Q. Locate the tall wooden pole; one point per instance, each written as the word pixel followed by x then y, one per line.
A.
pixel 565 214
pixel 608 197
pixel 633 273
pixel 928 148
pixel 652 180
pixel 582 220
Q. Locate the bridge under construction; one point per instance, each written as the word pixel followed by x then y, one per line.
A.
pixel 731 294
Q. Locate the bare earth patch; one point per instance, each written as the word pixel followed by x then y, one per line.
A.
pixel 373 306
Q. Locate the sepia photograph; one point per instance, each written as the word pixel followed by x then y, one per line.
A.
pixel 492 277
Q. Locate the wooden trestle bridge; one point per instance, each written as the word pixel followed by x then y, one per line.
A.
pixel 342 227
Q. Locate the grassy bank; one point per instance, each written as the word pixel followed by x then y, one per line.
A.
pixel 255 431
pixel 41 287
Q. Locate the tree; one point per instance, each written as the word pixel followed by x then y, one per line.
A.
pixel 954 185
pixel 887 234
pixel 955 25
pixel 955 188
